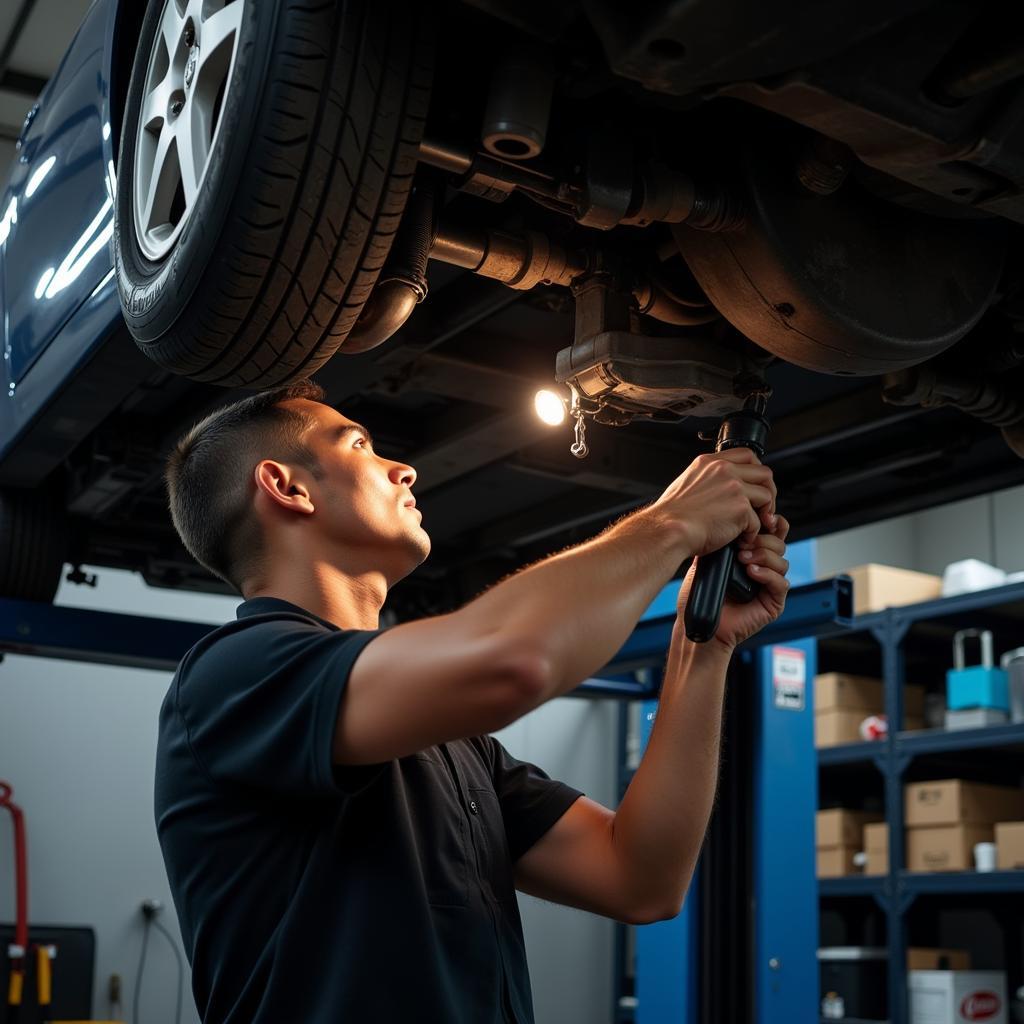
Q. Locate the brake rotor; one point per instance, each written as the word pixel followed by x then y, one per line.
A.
pixel 843 283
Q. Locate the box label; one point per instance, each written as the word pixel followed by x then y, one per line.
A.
pixel 980 1006
pixel 789 678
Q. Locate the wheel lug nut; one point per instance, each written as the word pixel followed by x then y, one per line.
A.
pixel 190 36
pixel 176 107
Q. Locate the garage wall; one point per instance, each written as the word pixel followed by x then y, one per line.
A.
pixel 1008 524
pixel 6 159
pixel 890 542
pixel 990 527
pixel 77 742
pixel 570 952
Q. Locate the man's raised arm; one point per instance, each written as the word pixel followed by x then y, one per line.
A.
pixel 540 633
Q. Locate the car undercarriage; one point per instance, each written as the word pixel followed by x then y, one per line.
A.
pixel 656 214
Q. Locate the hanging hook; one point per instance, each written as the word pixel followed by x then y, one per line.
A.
pixel 579 448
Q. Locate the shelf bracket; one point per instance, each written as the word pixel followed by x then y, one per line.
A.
pixel 898 626
pixel 904 901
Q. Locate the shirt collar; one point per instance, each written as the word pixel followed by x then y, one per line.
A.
pixel 269 605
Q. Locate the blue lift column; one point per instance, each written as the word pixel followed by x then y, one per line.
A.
pixel 785 802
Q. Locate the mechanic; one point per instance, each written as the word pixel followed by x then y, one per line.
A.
pixel 343 838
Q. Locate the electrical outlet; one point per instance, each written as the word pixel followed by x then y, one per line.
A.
pixel 150 908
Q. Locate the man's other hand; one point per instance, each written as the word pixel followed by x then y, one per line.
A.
pixel 763 556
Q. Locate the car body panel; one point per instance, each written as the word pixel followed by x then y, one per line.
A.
pixel 56 266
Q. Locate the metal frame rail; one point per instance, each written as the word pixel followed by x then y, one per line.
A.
pixel 137 641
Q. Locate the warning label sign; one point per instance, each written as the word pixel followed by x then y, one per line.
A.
pixel 789 678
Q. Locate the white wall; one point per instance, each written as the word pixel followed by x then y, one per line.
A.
pixel 77 743
pixel 989 527
pixel 890 543
pixel 6 159
pixel 570 952
pixel 1008 522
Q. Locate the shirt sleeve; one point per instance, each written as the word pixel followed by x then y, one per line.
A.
pixel 531 801
pixel 260 707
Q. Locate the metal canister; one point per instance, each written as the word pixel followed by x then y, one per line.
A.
pixel 1013 663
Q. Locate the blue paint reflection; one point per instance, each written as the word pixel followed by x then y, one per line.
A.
pixel 93 240
pixel 44 281
pixel 9 219
pixel 38 174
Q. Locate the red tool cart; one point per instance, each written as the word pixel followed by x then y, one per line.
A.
pixel 18 950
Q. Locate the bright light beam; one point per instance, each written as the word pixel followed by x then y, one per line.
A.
pixel 550 407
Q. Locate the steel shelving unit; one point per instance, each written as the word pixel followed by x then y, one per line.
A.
pixel 912 636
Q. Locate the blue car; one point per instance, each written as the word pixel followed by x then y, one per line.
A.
pixel 659 217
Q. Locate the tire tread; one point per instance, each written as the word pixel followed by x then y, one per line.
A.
pixel 32 544
pixel 313 219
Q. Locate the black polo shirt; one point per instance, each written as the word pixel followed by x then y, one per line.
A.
pixel 308 892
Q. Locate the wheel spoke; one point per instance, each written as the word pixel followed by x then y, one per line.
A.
pixel 189 66
pixel 172 25
pixel 193 9
pixel 192 149
pixel 163 181
pixel 217 28
pixel 154 107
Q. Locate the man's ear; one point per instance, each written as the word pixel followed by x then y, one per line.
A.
pixel 281 485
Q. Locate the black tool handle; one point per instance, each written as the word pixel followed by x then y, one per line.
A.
pixel 720 572
pixel 742 589
pixel 710 582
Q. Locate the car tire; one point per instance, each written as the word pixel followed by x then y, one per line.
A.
pixel 33 540
pixel 315 136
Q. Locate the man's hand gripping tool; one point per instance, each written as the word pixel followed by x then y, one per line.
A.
pixel 720 572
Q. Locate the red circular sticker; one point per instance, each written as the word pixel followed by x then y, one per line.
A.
pixel 980 1006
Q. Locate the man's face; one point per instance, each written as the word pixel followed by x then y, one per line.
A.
pixel 361 499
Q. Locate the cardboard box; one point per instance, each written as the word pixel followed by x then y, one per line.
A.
pixel 913 702
pixel 945 847
pixel 938 960
pixel 840 827
pixel 952 997
pixel 837 861
pixel 953 801
pixel 843 692
pixel 876 845
pixel 876 587
pixel 1009 845
pixel 833 728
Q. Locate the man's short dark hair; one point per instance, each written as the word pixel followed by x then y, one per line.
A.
pixel 210 482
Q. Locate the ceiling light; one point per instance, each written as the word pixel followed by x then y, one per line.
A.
pixel 550 407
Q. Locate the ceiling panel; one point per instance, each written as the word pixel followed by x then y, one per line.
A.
pixel 8 14
pixel 50 28
pixel 6 158
pixel 13 108
pixel 486 494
